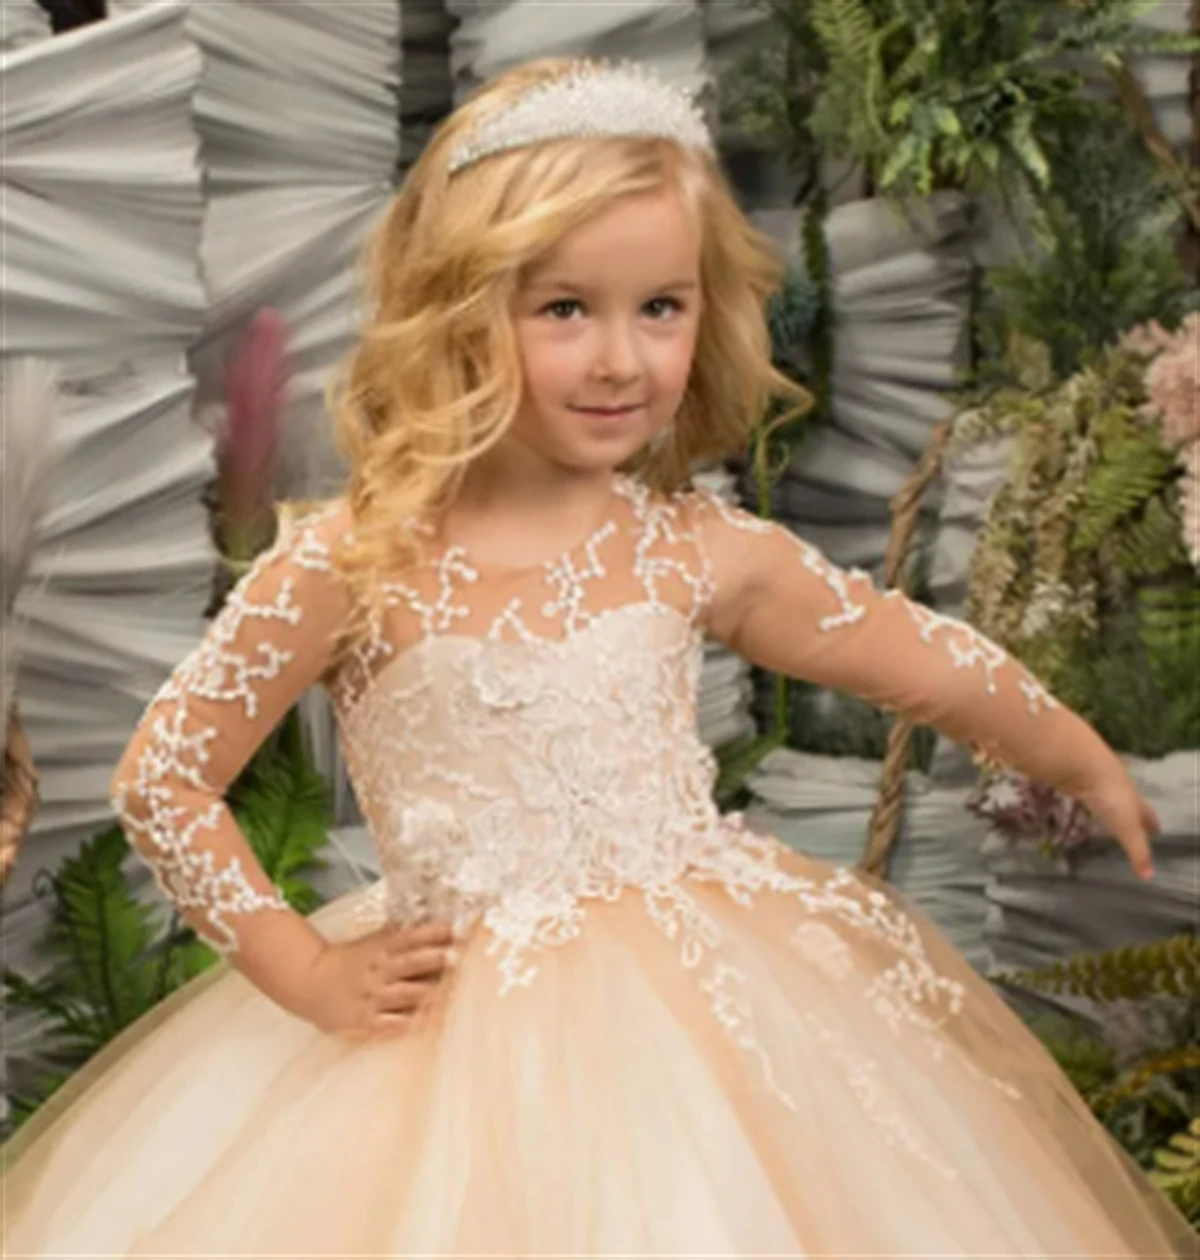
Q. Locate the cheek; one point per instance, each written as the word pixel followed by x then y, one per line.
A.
pixel 674 362
pixel 549 365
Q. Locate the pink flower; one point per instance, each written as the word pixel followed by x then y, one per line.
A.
pixel 256 379
pixel 1146 339
pixel 1173 384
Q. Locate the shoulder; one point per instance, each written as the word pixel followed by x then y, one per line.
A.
pixel 301 566
pixel 737 551
pixel 695 507
pixel 729 536
pixel 316 531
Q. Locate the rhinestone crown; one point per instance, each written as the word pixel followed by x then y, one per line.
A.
pixel 592 99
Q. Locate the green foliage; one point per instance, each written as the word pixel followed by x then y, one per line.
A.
pixel 933 94
pixel 1177 1170
pixel 111 964
pixel 1166 968
pixel 737 761
pixel 1141 1087
pixel 1080 569
pixel 1102 257
pixel 792 315
pixel 281 805
pixel 771 93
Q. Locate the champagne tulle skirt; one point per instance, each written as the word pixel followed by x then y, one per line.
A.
pixel 609 1109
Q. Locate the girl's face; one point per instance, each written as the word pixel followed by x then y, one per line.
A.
pixel 606 326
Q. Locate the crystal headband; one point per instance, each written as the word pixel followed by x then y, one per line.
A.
pixel 592 99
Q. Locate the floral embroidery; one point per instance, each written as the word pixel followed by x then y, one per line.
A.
pixel 165 833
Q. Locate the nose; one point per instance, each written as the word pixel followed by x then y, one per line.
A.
pixel 617 357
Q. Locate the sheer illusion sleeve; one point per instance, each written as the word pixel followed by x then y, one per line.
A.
pixel 778 602
pixel 273 637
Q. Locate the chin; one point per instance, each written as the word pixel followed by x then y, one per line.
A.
pixel 605 456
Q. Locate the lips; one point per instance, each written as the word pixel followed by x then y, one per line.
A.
pixel 608 411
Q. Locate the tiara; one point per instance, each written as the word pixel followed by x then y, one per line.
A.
pixel 592 99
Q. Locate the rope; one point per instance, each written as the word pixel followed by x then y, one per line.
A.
pixel 19 790
pixel 884 828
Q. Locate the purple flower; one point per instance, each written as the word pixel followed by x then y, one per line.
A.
pixel 1021 810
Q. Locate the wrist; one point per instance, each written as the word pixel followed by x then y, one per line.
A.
pixel 276 952
pixel 1097 769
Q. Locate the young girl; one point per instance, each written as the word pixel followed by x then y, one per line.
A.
pixel 662 1034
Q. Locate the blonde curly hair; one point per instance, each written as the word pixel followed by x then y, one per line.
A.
pixel 435 378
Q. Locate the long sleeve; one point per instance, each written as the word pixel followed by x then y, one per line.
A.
pixel 273 637
pixel 779 603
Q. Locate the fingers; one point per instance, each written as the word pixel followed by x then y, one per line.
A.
pixel 1139 857
pixel 389 1024
pixel 419 962
pixel 1150 819
pixel 1135 839
pixel 402 997
pixel 403 939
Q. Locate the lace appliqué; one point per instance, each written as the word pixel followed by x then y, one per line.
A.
pixel 910 994
pixel 167 835
pixel 968 648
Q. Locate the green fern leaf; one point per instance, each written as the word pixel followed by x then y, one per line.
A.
pixel 1170 967
pixel 737 761
pixel 1150 541
pixel 47 997
pixel 1177 1170
pixel 282 807
pixel 1139 1078
pixel 847 30
pixel 105 933
pixel 1131 472
pixel 1027 151
pixel 905 155
pixel 916 64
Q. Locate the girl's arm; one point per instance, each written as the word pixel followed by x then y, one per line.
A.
pixel 780 604
pixel 273 638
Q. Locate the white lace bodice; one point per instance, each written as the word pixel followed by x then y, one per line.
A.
pixel 548 752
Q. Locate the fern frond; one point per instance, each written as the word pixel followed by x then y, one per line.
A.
pixel 1177 1170
pixel 1150 541
pixel 1137 1079
pixel 282 805
pixel 847 30
pixel 1130 472
pixel 1166 968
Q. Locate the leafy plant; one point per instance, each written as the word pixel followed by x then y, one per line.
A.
pixel 1141 1087
pixel 111 963
pixel 1081 569
pixel 1166 968
pixel 1177 1170
pixel 1101 255
pixel 963 94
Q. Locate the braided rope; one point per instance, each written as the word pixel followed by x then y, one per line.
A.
pixel 884 828
pixel 19 796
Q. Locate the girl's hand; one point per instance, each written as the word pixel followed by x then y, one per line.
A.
pixel 1123 813
pixel 377 984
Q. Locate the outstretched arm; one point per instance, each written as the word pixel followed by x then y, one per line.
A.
pixel 273 638
pixel 780 604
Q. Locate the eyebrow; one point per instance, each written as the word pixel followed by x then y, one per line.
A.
pixel 574 287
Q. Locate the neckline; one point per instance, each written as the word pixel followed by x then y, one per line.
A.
pixel 603 526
